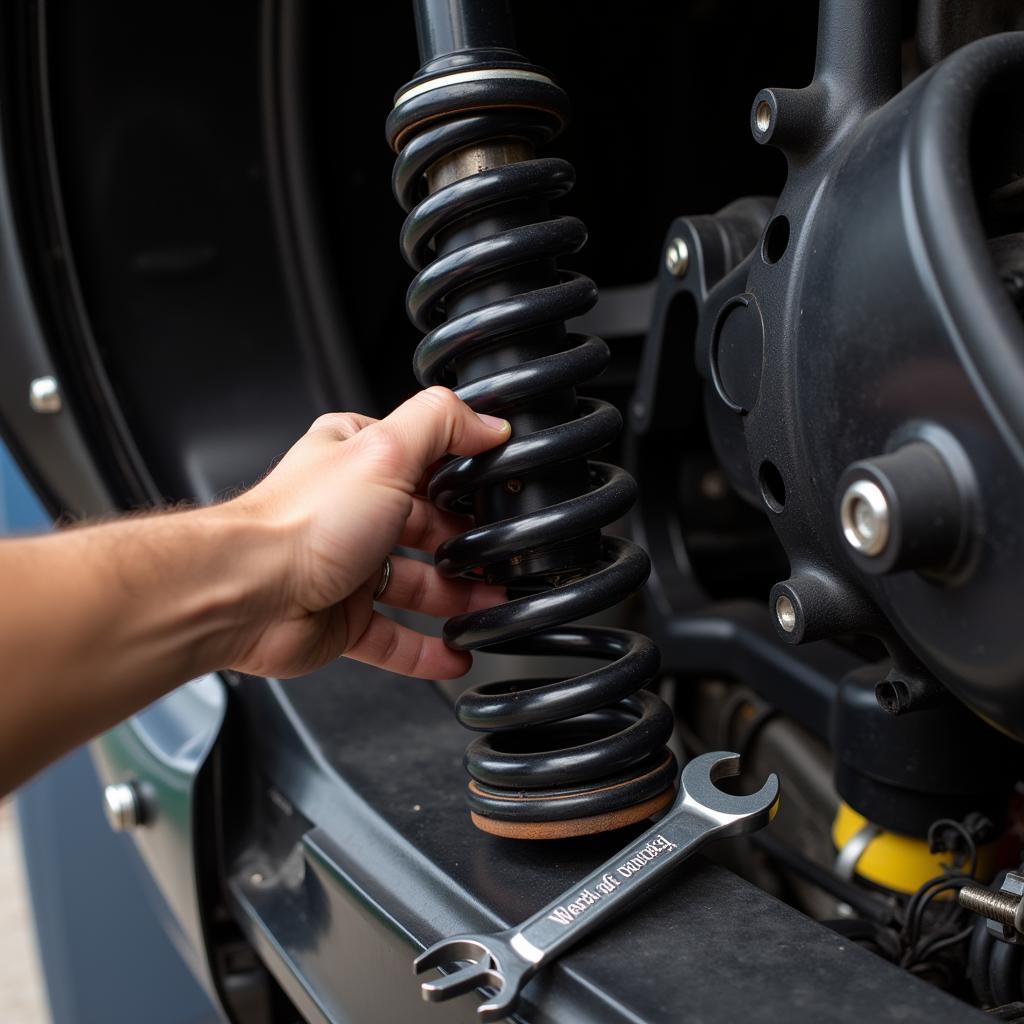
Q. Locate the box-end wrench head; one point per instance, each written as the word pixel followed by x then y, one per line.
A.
pixel 506 960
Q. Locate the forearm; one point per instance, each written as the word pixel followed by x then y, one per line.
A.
pixel 97 622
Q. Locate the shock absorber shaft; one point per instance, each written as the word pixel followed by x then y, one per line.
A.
pixel 444 28
pixel 564 756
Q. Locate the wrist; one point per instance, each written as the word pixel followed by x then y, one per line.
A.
pixel 250 559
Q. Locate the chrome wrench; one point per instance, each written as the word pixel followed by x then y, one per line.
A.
pixel 506 960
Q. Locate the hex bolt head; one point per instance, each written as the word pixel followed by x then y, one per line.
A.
pixel 44 395
pixel 864 515
pixel 122 806
pixel 677 257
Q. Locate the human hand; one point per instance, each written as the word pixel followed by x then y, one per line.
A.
pixel 336 505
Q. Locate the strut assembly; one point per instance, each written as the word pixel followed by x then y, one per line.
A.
pixel 568 756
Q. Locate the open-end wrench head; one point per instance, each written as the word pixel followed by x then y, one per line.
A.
pixel 698 790
pixel 474 962
pixel 461 949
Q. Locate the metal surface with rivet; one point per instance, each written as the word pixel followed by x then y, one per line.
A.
pixel 507 960
pixel 44 395
pixel 122 805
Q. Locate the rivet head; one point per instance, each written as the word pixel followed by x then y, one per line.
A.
pixel 864 517
pixel 44 395
pixel 122 806
pixel 677 257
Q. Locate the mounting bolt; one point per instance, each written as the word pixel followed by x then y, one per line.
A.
pixel 864 515
pixel 914 507
pixel 813 605
pixel 44 395
pixel 122 805
pixel 677 257
pixel 1005 907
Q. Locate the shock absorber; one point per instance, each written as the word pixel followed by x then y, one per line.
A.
pixel 560 757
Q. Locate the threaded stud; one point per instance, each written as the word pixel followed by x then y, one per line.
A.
pixel 996 906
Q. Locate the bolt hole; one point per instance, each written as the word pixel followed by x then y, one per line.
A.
pixel 776 240
pixel 861 517
pixel 893 695
pixel 773 487
pixel 763 116
pixel 785 613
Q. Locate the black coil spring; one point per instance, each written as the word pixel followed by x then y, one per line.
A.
pixel 566 748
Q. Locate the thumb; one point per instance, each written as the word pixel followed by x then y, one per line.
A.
pixel 436 422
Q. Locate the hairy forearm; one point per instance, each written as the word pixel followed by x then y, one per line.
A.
pixel 96 622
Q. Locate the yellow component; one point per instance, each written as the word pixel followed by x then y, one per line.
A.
pixel 896 862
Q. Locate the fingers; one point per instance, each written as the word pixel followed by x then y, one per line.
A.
pixel 340 426
pixel 389 645
pixel 435 422
pixel 427 526
pixel 423 484
pixel 418 587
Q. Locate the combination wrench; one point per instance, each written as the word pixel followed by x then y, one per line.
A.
pixel 506 960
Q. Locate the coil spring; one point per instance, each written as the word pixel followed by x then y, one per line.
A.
pixel 563 756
